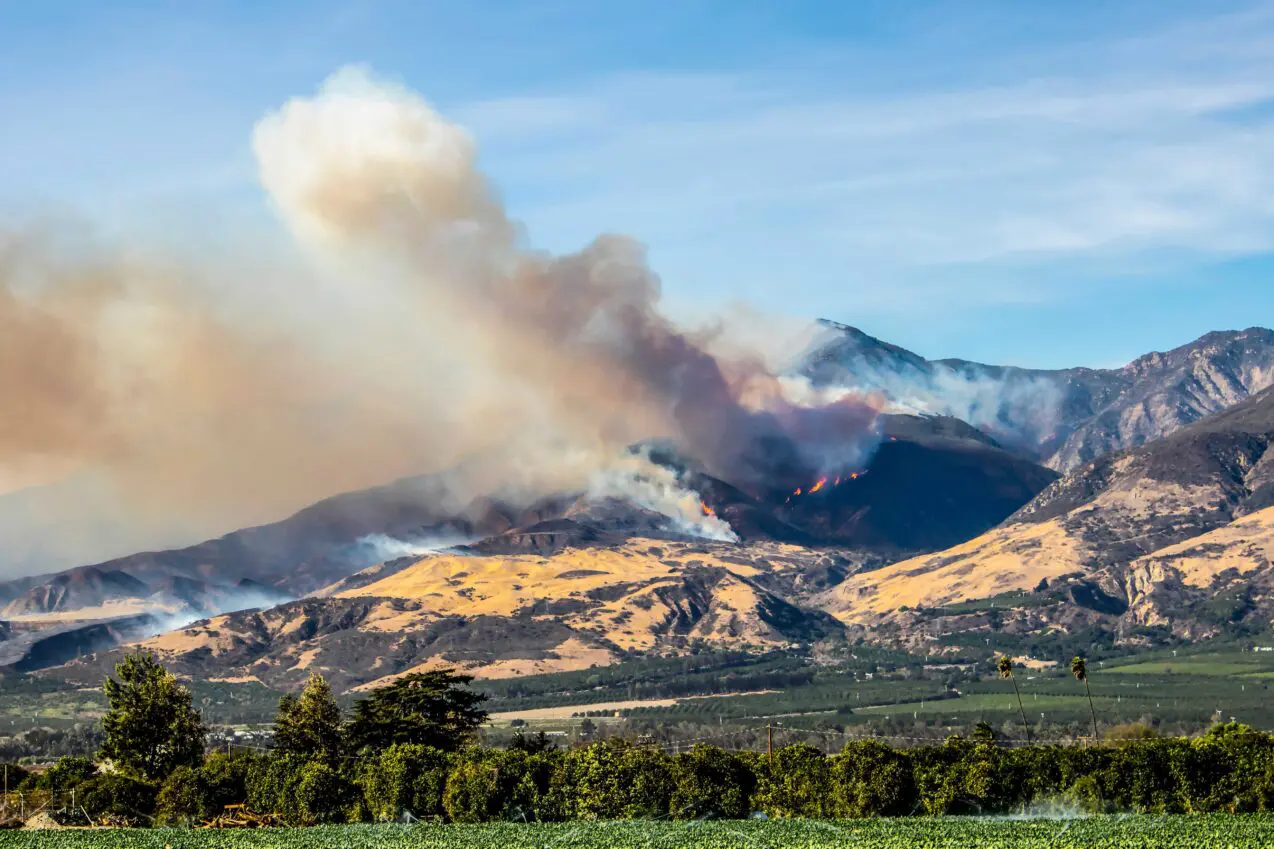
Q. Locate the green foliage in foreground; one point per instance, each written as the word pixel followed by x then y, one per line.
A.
pixel 1231 770
pixel 1137 832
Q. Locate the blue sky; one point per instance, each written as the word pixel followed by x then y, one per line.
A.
pixel 1044 184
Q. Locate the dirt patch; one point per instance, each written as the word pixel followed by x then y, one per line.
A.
pixel 43 820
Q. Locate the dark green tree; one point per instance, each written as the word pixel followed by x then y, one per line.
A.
pixel 182 798
pixel 310 724
pixel 711 782
pixel 426 708
pixel 872 780
pixel 118 796
pixel 614 779
pixel 404 778
pixel 532 744
pixel 67 773
pixel 150 726
pixel 798 785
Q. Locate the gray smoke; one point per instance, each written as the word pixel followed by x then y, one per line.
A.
pixel 1017 405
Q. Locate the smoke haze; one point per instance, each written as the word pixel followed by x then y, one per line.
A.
pixel 1019 406
pixel 414 329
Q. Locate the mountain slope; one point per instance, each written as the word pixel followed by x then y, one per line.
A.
pixel 511 615
pixel 295 556
pixel 1065 417
pixel 933 482
pixel 1147 537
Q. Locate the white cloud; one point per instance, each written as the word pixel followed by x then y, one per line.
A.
pixel 789 181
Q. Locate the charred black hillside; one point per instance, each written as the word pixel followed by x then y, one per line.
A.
pixel 934 482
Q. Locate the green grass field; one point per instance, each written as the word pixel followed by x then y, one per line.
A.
pixel 1193 666
pixel 1133 832
pixel 983 702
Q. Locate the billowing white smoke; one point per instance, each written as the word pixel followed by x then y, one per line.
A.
pixel 1022 407
pixel 635 478
pixel 378 548
pixel 222 600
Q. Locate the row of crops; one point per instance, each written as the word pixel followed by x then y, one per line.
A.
pixel 1128 832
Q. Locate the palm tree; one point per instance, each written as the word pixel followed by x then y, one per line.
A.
pixel 1006 671
pixel 1080 670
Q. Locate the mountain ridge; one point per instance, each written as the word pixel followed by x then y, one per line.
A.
pixel 1146 538
pixel 1095 411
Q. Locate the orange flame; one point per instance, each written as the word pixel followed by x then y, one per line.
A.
pixel 798 491
pixel 819 485
pixel 707 511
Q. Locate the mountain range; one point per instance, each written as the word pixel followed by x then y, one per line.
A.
pixel 1138 501
pixel 1063 418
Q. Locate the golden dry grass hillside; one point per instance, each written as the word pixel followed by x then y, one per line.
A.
pixel 1095 541
pixel 1013 558
pixel 1242 548
pixel 507 615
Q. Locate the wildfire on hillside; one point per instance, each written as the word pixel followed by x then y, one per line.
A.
pixel 823 483
pixel 707 510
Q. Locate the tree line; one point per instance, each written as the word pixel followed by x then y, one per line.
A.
pixel 410 749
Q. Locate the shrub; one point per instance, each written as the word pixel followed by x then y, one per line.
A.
pixel 486 785
pixel 404 778
pixel 871 779
pixel 118 796
pixel 224 778
pixel 613 779
pixel 1086 795
pixel 324 795
pixel 182 798
pixel 797 785
pixel 272 784
pixel 66 774
pixel 711 782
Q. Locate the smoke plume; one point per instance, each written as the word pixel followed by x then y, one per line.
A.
pixel 636 479
pixel 1016 405
pixel 379 548
pixel 414 329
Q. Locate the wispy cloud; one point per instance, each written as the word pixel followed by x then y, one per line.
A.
pixel 1097 152
pixel 909 159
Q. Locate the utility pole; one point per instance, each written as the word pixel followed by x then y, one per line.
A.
pixel 769 743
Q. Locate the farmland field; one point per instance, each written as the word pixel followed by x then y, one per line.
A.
pixel 1194 666
pixel 980 702
pixel 1168 832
